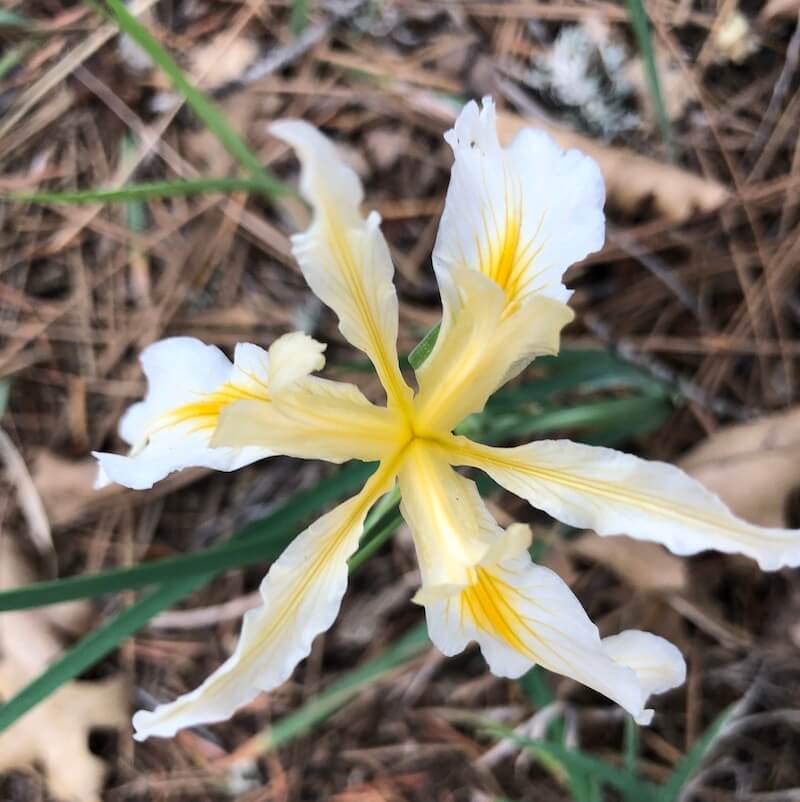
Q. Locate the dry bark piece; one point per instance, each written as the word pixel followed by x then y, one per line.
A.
pixel 54 736
pixel 754 467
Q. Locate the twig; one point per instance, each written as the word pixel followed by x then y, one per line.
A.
pixel 663 372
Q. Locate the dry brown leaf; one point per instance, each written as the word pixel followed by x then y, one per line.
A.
pixel 54 736
pixel 65 486
pixel 754 467
pixel 645 566
pixel 631 179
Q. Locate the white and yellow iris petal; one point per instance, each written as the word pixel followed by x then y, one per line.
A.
pixel 520 215
pixel 616 493
pixel 301 596
pixel 522 614
pixel 478 349
pixel 313 419
pixel 189 383
pixel 344 257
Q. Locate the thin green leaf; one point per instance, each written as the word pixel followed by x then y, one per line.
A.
pixel 13 19
pixel 630 751
pixel 691 762
pixel 424 347
pixel 259 541
pixel 200 104
pixel 641 30
pixel 328 701
pixel 137 192
pixel 299 17
pixel 577 761
pixel 5 390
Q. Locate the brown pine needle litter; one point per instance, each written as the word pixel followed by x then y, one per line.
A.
pixel 694 302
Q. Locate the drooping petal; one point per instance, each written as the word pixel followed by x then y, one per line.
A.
pixel 442 509
pixel 478 349
pixel 189 383
pixel 521 215
pixel 616 493
pixel 522 614
pixel 344 257
pixel 314 419
pixel 301 596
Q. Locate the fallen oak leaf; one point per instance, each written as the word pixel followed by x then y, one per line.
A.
pixel 54 736
pixel 646 566
pixel 753 467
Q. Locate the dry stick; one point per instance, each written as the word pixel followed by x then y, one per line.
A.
pixel 661 371
pixel 779 91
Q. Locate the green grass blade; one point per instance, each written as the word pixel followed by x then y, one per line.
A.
pixel 200 104
pixel 299 17
pixel 259 541
pixel 424 347
pixel 136 192
pixel 328 701
pixel 578 762
pixel 630 751
pixel 641 30
pixel 691 762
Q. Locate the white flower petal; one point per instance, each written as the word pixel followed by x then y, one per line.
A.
pixel 616 493
pixel 344 257
pixel 189 383
pixel 522 614
pixel 521 215
pixel 658 664
pixel 301 596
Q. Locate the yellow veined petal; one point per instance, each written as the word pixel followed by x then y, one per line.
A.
pixel 189 383
pixel 344 257
pixel 520 215
pixel 314 419
pixel 301 596
pixel 616 493
pixel 478 349
pixel 522 614
pixel 442 509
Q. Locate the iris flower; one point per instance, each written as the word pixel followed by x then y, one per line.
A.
pixel 515 219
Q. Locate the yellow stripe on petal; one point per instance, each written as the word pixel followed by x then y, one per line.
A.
pixel 521 214
pixel 314 419
pixel 478 349
pixel 444 513
pixel 300 595
pixel 522 614
pixel 616 493
pixel 189 384
pixel 345 258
